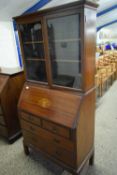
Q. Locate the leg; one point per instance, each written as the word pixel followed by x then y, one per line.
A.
pixel 26 149
pixel 111 79
pixel 12 139
pixel 107 85
pixel 114 76
pixel 99 93
pixel 75 173
pixel 91 160
pixel 101 89
pixel 83 170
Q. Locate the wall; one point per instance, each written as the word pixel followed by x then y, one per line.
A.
pixel 8 51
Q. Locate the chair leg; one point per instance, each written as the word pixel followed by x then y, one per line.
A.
pixel 111 79
pixel 106 84
pixel 100 90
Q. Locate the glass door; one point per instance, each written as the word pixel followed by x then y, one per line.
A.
pixel 33 47
pixel 64 49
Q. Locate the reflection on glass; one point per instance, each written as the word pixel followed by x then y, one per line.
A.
pixel 31 32
pixel 36 70
pixel 64 46
pixel 34 51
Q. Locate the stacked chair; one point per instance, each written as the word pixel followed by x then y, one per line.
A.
pixel 106 71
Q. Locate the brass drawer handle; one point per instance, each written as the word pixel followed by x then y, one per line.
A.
pixel 55 130
pixel 30 118
pixel 31 128
pixel 56 140
pixel 58 153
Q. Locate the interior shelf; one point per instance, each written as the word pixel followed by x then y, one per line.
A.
pixel 34 59
pixel 33 42
pixel 66 40
pixel 69 61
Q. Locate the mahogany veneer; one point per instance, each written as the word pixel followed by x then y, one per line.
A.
pixel 57 103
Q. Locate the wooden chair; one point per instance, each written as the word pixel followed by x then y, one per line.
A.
pixel 106 70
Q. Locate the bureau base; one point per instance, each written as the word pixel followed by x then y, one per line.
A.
pixel 89 160
pixel 11 83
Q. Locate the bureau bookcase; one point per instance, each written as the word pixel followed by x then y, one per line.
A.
pixel 57 103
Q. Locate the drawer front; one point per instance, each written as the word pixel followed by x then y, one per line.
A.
pixel 3 131
pixel 31 118
pixel 47 136
pixel 56 129
pixel 67 157
pixel 2 120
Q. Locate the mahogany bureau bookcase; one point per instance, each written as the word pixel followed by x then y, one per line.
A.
pixel 57 103
pixel 11 83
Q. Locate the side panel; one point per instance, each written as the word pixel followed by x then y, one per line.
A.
pixel 85 129
pixel 89 48
pixel 9 100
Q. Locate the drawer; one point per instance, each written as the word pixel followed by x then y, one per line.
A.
pixel 2 120
pixel 56 129
pixel 47 136
pixel 67 157
pixel 31 118
pixel 3 131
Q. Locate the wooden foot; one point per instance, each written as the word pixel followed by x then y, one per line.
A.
pixel 26 149
pixel 91 160
pixel 12 139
